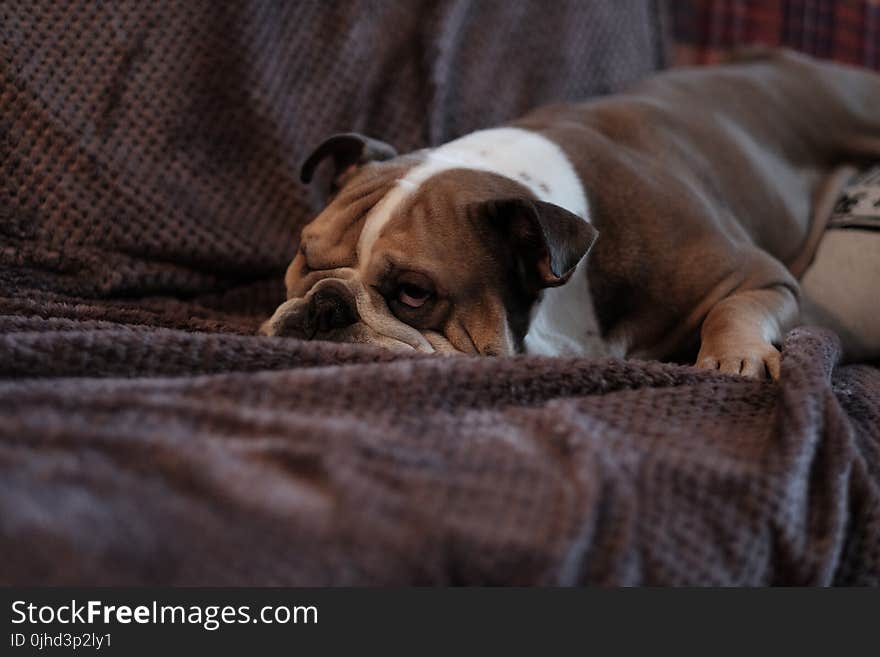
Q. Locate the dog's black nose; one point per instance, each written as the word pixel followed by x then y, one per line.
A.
pixel 331 308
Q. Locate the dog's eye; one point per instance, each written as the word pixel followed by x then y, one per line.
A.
pixel 412 295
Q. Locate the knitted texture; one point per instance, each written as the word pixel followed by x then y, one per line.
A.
pixel 152 149
pixel 330 464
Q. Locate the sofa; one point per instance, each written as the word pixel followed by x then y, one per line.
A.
pixel 149 204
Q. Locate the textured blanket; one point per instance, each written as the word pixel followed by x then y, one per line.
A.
pixel 329 464
pixel 148 207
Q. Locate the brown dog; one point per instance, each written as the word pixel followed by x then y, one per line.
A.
pixel 709 191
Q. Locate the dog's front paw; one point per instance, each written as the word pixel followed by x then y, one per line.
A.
pixel 754 359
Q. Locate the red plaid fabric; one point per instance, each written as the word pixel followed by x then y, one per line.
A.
pixel 844 30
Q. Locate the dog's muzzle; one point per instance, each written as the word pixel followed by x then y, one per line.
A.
pixel 329 306
pixel 340 309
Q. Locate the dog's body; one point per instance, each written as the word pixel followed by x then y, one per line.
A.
pixel 709 190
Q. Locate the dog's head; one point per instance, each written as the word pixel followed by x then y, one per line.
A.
pixel 432 258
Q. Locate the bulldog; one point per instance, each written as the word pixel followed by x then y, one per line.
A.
pixel 669 222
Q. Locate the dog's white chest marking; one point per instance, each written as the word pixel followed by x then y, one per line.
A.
pixel 560 321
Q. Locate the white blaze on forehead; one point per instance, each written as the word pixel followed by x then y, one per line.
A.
pixel 521 155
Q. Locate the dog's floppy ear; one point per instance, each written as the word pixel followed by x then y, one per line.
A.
pixel 547 241
pixel 347 150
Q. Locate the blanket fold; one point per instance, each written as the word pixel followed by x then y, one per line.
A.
pixel 354 467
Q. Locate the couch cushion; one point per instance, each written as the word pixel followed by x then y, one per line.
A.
pixel 150 151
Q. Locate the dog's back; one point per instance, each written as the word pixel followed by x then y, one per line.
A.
pixel 708 180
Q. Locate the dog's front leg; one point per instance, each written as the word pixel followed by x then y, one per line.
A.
pixel 739 333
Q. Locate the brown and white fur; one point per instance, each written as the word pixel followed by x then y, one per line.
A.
pixel 668 221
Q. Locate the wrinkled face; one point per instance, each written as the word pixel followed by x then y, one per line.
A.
pixel 416 270
pixel 453 263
